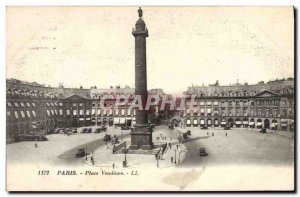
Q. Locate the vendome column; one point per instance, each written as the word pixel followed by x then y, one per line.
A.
pixel 141 135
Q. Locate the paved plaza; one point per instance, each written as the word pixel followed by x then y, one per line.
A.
pixel 243 156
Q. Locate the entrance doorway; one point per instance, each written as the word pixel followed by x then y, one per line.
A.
pixel 267 124
pixel 128 122
pixel 230 122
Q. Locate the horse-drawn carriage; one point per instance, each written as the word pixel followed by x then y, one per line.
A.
pixel 80 153
pixel 263 131
pixel 101 129
pixel 202 152
pixel 171 126
pixel 227 128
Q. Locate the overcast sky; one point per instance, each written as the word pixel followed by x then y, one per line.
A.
pixel 186 45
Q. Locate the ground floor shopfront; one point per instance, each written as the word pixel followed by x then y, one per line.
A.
pixel 255 122
pixel 96 121
pixel 29 127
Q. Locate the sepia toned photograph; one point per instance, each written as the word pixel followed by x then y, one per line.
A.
pixel 145 98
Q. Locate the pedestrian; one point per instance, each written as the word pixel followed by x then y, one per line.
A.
pixel 92 160
pixel 113 166
pixel 172 159
pixel 177 146
pixel 226 134
pixel 213 134
pixel 207 133
pixel 35 145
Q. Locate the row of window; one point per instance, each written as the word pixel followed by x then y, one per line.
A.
pixel 31 94
pixel 229 94
pixel 260 112
pixel 16 104
pixel 21 114
pixel 82 112
pixel 27 104
pixel 238 103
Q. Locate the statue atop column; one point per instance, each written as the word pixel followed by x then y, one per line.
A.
pixel 140 11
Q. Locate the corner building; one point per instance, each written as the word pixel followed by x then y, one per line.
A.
pixel 33 108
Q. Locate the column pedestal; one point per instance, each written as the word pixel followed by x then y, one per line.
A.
pixel 141 138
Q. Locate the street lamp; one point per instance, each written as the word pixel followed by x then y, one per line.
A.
pixel 179 152
pixel 125 161
pixel 86 153
pixel 175 156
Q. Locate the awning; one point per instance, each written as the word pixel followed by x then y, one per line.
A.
pixel 258 124
pixel 274 124
pixel 223 123
pixel 93 120
pixel 122 120
pixel 34 126
pixel 284 124
pixel 238 122
pixel 88 119
pixel 116 120
pixel 252 123
pixel 81 119
pixel 99 120
pixel 245 122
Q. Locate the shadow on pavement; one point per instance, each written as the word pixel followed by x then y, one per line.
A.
pixel 194 139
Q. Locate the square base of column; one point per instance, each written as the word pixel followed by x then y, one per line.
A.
pixel 141 138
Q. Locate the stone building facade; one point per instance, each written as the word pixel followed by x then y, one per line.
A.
pixel 33 108
pixel 262 105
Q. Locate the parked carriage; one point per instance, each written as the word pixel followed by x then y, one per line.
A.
pixel 101 129
pixel 31 137
pixel 263 131
pixel 171 126
pixel 125 128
